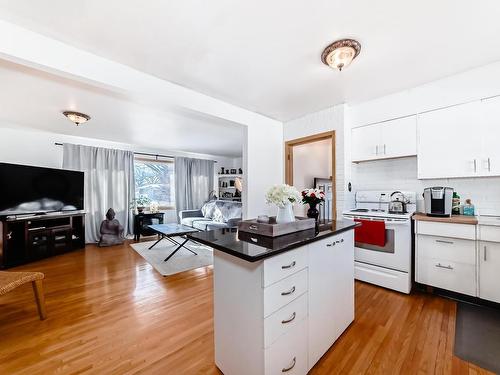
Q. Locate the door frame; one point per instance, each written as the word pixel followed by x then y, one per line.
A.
pixel 311 139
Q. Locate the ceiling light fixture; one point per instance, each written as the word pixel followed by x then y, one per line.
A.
pixel 340 54
pixel 76 117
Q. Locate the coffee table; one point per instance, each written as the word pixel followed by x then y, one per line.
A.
pixel 167 231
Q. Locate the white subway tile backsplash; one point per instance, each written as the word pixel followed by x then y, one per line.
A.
pixel 401 174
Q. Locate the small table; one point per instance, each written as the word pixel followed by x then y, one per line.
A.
pixel 167 231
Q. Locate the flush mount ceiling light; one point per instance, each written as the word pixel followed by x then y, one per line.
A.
pixel 76 117
pixel 340 54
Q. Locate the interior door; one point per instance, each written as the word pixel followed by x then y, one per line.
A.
pixel 399 137
pixel 490 134
pixel 366 143
pixel 489 264
pixel 448 142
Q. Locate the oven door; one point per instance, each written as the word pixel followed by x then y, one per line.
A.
pixel 396 254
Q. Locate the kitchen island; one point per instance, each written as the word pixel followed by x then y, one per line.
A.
pixel 280 303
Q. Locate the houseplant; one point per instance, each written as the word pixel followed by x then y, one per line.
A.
pixel 140 202
pixel 313 197
pixel 284 196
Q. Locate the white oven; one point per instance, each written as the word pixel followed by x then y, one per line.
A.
pixel 389 265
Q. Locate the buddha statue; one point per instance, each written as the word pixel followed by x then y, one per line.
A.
pixel 111 230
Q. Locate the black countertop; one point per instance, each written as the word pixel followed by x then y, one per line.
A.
pixel 251 247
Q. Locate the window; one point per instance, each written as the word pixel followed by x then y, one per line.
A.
pixel 155 180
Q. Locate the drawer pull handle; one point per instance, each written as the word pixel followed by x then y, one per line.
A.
pixel 484 253
pixel 291 319
pixel 439 265
pixel 291 367
pixel 443 241
pixel 291 291
pixel 253 227
pixel 291 265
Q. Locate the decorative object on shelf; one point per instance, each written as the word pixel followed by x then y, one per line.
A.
pixel 221 170
pixel 313 197
pixel 154 207
pixel 227 171
pixel 340 53
pixel 76 117
pixel 231 183
pixel 284 196
pixel 140 203
pixel 233 171
pixel 240 171
pixel 111 230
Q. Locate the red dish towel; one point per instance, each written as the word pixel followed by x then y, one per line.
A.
pixel 370 232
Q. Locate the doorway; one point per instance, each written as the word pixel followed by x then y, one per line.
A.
pixel 309 163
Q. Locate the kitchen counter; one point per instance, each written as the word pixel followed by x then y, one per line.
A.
pixel 252 247
pixel 453 219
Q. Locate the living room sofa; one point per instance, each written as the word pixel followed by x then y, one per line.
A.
pixel 212 215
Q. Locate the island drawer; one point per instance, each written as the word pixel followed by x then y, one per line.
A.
pixel 281 321
pixel 288 355
pixel 283 265
pixel 285 291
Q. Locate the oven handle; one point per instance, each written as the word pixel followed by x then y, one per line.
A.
pixel 391 222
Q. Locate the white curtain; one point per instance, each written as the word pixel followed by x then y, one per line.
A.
pixel 109 183
pixel 194 180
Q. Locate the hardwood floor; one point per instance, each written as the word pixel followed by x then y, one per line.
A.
pixel 109 312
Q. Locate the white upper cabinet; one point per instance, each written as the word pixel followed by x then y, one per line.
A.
pixel 385 140
pixel 460 141
pixel 490 133
pixel 449 142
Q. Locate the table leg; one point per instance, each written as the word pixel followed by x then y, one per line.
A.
pixel 156 243
pixel 177 249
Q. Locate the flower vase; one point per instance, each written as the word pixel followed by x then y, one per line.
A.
pixel 313 213
pixel 285 214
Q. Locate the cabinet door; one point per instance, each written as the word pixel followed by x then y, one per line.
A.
pixel 331 291
pixel 399 137
pixel 366 143
pixel 490 157
pixel 449 141
pixel 489 269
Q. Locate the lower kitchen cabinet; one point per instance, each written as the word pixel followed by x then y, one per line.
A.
pixel 489 271
pixel 452 257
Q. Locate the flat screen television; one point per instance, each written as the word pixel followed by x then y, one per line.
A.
pixel 36 190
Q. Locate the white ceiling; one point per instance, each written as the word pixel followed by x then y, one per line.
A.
pixel 265 55
pixel 35 99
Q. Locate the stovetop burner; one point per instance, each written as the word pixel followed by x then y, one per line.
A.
pixel 360 210
pixel 377 210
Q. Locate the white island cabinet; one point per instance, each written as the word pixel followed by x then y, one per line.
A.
pixel 280 314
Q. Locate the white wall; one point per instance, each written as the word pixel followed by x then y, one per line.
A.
pixel 310 160
pixel 24 146
pixel 401 174
pixel 319 122
pixel 262 167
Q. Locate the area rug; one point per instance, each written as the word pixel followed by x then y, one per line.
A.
pixel 477 335
pixel 183 260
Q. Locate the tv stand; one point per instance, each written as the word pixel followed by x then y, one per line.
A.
pixel 25 239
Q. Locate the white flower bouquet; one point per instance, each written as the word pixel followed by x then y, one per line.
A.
pixel 282 195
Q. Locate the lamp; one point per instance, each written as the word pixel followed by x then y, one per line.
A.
pixel 76 117
pixel 340 54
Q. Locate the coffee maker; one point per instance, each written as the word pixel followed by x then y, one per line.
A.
pixel 438 201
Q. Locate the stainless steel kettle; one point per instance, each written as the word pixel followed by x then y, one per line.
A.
pixel 397 205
